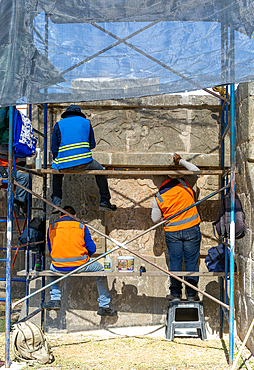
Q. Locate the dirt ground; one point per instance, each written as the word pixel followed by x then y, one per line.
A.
pixel 83 351
pixel 110 350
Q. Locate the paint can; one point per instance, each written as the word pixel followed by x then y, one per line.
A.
pixel 125 263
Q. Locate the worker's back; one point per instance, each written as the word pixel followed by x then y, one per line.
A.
pixel 175 195
pixel 66 241
pixel 74 149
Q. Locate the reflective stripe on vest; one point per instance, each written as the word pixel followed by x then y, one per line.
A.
pixel 174 196
pixel 73 146
pixel 72 158
pixel 74 259
pixel 182 222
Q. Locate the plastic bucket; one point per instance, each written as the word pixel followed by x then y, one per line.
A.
pixel 125 263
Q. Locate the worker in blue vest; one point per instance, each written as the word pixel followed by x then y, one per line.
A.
pixel 72 141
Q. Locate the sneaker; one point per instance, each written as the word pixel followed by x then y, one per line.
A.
pixel 51 305
pixel 57 202
pixel 105 206
pixel 193 298
pixel 173 298
pixel 54 211
pixel 106 311
pixel 19 208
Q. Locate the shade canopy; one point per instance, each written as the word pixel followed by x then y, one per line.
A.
pixel 84 50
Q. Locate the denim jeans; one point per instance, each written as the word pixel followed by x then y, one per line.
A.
pixel 101 181
pixel 183 243
pixel 22 179
pixel 101 281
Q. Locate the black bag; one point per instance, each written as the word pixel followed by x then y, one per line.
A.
pixel 3 172
pixel 215 261
pixel 222 224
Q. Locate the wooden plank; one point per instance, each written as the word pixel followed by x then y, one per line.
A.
pixel 113 173
pixel 123 274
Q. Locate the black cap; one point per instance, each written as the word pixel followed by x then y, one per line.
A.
pixel 73 110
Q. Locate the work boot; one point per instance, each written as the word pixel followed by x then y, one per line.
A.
pixel 51 305
pixel 107 206
pixel 193 298
pixel 106 311
pixel 20 208
pixel 57 202
pixel 54 211
pixel 174 298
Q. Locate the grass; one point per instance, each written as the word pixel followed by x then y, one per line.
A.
pixel 81 351
pixel 2 316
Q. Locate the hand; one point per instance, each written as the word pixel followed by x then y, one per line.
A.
pixel 176 158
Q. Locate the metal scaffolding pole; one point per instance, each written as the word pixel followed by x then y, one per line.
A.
pixel 232 226
pixel 232 184
pixel 44 196
pixel 9 243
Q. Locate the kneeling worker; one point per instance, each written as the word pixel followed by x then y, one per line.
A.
pixel 70 246
pixel 182 233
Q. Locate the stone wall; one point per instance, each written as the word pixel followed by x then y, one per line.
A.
pixel 244 293
pixel 145 131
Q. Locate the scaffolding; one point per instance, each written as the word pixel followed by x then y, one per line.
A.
pixel 40 93
pixel 227 310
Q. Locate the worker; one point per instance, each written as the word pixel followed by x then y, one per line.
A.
pixel 72 141
pixel 182 233
pixel 20 196
pixel 71 246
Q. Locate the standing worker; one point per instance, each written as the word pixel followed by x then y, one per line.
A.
pixel 72 141
pixel 71 246
pixel 182 233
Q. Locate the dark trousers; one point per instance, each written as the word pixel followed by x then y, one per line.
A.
pixel 184 243
pixel 101 181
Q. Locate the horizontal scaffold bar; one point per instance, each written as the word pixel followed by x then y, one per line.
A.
pixel 124 274
pixel 118 173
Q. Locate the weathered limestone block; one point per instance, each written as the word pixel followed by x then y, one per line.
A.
pixel 156 131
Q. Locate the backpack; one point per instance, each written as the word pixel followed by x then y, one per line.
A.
pixel 222 224
pixel 215 261
pixel 30 344
pixel 24 144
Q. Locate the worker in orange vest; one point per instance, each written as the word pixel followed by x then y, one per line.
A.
pixel 182 233
pixel 71 246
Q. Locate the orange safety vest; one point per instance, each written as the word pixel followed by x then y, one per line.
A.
pixel 175 195
pixel 67 244
pixel 4 162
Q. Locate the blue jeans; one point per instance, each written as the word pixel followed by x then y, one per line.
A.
pixel 183 243
pixel 22 179
pixel 101 281
pixel 101 181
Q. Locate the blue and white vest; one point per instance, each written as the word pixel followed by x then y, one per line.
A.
pixel 74 149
